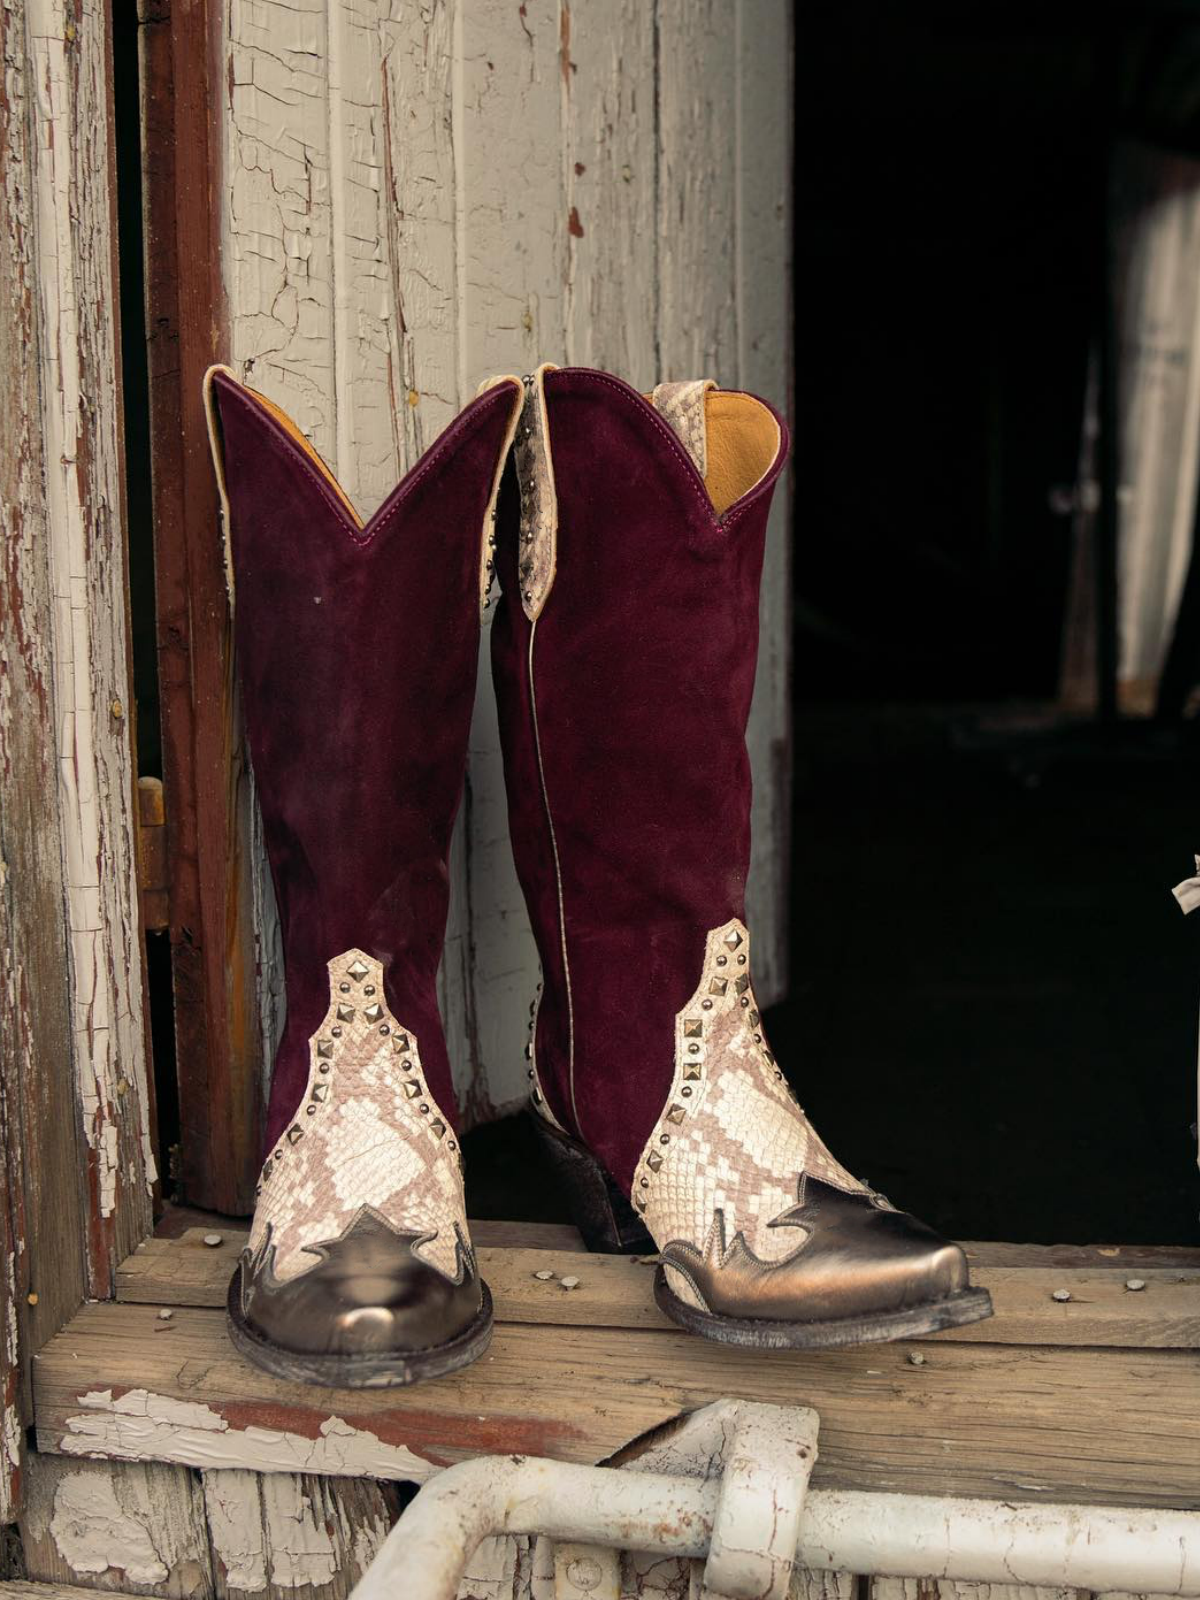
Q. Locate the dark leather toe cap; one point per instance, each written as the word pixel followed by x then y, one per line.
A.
pixel 857 1256
pixel 367 1294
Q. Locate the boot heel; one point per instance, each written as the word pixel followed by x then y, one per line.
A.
pixel 598 1208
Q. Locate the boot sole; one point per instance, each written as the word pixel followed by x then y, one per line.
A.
pixel 376 1370
pixel 868 1327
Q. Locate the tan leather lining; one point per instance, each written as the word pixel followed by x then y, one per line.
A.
pixel 293 432
pixel 743 441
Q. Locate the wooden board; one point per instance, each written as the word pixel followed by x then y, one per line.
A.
pixel 1105 1425
pixel 617 1291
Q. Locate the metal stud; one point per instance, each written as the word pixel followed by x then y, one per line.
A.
pixel 685 1090
pixel 320 1091
pixel 358 972
pixel 706 1004
pixel 741 961
pixel 407 1064
pixel 324 1049
pixel 324 1067
pixel 722 961
pixel 373 1012
pixel 345 1013
pixel 370 989
pixel 344 988
pixel 412 1090
pixel 745 1001
pixel 644 1183
pixel 664 1138
pixel 675 1114
pixel 758 1038
pixel 733 938
pixel 384 1027
pixel 400 1043
pixel 529 1052
pixel 654 1161
pixel 279 1153
pixel 742 982
pixel 294 1133
pixel 754 1019
pixel 639 1202
pixel 336 1032
pixel 693 1028
pixel 537 1097
pixel 691 1071
pixel 310 1111
pixel 718 986
pixel 450 1144
pixel 437 1127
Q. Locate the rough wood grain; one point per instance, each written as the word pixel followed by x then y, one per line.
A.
pixel 617 1292
pixel 292 1535
pixel 210 819
pixel 1105 1426
pixel 121 1527
pixel 84 552
pixel 77 1165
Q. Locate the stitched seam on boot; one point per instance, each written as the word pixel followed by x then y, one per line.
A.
pixel 558 882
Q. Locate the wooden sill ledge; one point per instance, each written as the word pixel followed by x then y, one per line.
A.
pixel 1095 1398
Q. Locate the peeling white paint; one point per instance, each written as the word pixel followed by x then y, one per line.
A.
pixel 141 1426
pixel 95 1534
pixel 235 1527
pixel 87 578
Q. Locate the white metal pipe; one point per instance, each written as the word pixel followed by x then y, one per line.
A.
pixel 1089 1547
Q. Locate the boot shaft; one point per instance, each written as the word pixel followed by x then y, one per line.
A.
pixel 356 649
pixel 624 670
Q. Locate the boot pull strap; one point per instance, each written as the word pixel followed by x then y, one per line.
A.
pixel 682 406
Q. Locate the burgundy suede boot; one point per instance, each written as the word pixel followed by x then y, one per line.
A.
pixel 624 651
pixel 357 647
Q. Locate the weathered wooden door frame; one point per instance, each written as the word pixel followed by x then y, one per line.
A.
pixel 218 1040
pixel 76 1160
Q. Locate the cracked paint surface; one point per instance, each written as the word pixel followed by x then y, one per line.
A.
pixel 141 1426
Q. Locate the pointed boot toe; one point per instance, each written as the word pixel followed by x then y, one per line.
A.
pixel 860 1272
pixel 370 1313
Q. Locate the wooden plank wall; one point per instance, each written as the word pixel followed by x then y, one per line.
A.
pixel 77 1162
pixel 417 196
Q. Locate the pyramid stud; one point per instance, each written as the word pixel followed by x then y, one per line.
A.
pixel 693 1028
pixel 412 1089
pixel 320 1091
pixel 295 1133
pixel 324 1049
pixel 718 986
pixel 732 939
pixel 358 972
pixel 754 1019
pixel 437 1127
pixel 400 1043
pixel 373 1013
pixel 691 1072
pixel 654 1161
pixel 742 984
pixel 345 1013
pixel 675 1114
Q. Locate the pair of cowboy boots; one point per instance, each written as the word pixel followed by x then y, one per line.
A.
pixel 627 536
